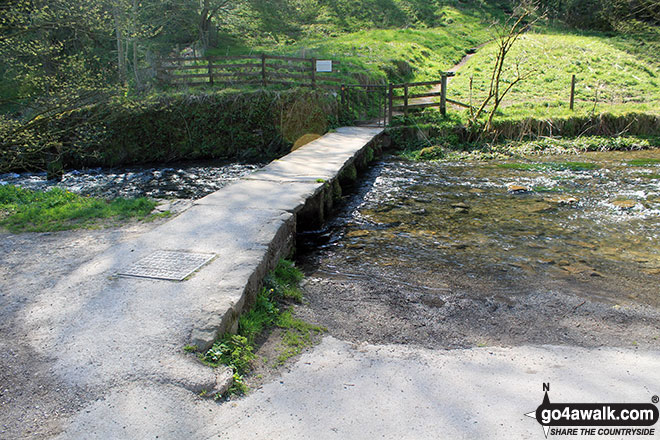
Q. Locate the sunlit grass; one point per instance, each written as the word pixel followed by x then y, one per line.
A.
pixel 414 53
pixel 608 79
pixel 24 210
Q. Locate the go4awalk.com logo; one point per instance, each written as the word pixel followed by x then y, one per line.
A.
pixel 596 419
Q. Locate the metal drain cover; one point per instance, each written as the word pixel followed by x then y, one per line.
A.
pixel 167 265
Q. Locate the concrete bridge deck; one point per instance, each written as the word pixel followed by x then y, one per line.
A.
pixel 110 333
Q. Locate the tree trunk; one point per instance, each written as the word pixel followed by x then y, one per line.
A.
pixel 121 58
pixel 204 24
pixel 138 83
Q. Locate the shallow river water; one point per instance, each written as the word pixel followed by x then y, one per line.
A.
pixel 540 236
pixel 180 181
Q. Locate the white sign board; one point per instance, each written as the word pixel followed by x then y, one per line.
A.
pixel 324 65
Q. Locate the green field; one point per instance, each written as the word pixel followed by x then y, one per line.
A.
pixel 608 78
pixel 616 73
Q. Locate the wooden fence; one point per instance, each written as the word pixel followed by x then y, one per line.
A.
pixel 367 103
pixel 417 100
pixel 249 69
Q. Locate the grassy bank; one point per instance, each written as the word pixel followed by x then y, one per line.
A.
pixel 506 149
pixel 610 77
pixel 272 309
pixel 418 49
pixel 227 124
pixel 23 210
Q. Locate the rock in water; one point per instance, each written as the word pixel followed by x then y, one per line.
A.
pixel 517 189
pixel 624 204
pixel 562 200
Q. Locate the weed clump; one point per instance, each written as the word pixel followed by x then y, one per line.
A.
pixel 237 351
pixel 557 166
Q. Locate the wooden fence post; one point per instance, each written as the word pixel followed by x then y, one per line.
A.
pixel 210 72
pixel 405 100
pixel 263 69
pixel 343 97
pixel 443 95
pixel 390 96
pixel 384 95
pixel 313 60
pixel 572 101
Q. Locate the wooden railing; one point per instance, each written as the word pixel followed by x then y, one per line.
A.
pixel 249 69
pixel 410 98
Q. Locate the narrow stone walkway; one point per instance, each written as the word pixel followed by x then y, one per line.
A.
pixel 109 333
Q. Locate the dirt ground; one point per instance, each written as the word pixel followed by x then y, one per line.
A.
pixel 32 399
pixel 454 310
pixel 383 305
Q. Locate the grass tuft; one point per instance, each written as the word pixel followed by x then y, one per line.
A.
pixel 237 351
pixel 298 335
pixel 557 166
pixel 643 162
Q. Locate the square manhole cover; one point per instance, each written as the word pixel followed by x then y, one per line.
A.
pixel 167 265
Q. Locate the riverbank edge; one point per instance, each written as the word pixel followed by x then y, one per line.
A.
pixel 431 130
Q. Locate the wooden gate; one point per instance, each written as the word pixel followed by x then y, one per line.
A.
pixel 363 104
pixel 422 99
pixel 374 104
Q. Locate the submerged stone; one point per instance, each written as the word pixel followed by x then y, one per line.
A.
pixel 358 233
pixel 539 207
pixel 624 204
pixel 583 244
pixel 517 189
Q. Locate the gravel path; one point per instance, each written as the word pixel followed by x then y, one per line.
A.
pixel 366 387
pixel 33 400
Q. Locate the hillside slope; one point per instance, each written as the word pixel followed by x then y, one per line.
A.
pixel 613 79
pixel 414 46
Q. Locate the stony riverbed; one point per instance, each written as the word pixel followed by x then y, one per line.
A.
pixel 176 181
pixel 547 250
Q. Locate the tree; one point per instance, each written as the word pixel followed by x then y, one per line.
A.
pixel 209 9
pixel 53 49
pixel 505 37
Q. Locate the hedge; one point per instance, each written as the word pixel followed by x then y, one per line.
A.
pixel 223 124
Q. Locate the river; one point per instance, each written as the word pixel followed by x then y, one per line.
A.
pixel 538 250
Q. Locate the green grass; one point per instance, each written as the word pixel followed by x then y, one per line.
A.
pixel 24 210
pixel 556 166
pixel 414 48
pixel 643 162
pixel 546 189
pixel 623 80
pixel 298 335
pixel 237 351
pixel 283 281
